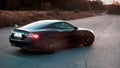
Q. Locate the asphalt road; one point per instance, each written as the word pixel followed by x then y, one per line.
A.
pixel 104 53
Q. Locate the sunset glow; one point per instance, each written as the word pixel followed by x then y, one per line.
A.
pixel 109 1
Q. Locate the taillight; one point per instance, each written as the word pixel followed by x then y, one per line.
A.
pixel 34 36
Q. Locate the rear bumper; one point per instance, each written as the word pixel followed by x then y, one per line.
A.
pixel 21 44
pixel 26 44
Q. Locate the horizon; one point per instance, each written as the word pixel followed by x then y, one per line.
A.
pixel 109 1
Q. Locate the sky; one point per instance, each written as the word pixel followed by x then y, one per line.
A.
pixel 109 1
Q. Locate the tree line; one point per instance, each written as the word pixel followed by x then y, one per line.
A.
pixel 82 5
pixel 114 8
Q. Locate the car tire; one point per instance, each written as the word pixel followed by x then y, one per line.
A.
pixel 49 46
pixel 89 40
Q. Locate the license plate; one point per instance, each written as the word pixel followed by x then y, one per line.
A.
pixel 18 35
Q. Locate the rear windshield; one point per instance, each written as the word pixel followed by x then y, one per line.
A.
pixel 36 25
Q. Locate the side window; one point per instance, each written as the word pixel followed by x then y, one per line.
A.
pixel 62 25
pixel 57 25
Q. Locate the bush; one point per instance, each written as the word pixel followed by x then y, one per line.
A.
pixel 10 18
pixel 114 8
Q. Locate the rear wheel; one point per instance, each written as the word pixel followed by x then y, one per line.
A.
pixel 49 46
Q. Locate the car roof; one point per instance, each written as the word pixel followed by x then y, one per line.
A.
pixel 40 24
pixel 48 21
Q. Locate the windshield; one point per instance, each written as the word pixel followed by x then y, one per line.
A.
pixel 36 25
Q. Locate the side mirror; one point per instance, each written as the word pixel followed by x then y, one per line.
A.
pixel 75 28
pixel 16 26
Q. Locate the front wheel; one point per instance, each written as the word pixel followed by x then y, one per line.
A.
pixel 88 41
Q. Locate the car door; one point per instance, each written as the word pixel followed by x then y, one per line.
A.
pixel 64 34
pixel 67 32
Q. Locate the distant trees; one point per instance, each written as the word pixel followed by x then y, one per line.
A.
pixel 96 5
pixel 20 4
pixel 46 6
pixel 82 5
pixel 114 8
pixel 71 4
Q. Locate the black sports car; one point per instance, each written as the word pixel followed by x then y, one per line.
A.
pixel 49 35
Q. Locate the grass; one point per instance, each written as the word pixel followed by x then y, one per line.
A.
pixel 10 18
